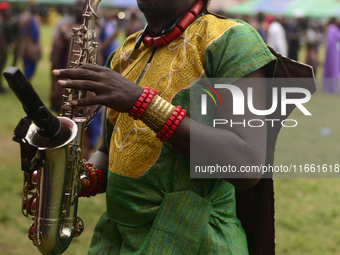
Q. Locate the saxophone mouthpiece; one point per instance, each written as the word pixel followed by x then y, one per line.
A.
pixel 48 124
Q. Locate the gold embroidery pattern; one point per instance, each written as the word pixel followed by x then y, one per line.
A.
pixel 134 147
pixel 124 52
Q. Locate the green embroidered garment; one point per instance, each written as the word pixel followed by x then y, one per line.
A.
pixel 153 207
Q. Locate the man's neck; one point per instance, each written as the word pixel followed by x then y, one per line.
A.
pixel 158 22
pixel 157 26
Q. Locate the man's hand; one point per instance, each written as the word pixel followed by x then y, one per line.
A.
pixel 110 88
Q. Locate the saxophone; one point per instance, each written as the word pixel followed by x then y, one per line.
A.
pixel 52 148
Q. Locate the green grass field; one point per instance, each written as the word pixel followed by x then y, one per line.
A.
pixel 307 210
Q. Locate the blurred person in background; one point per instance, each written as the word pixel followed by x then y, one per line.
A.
pixel 276 36
pixel 313 37
pixel 108 35
pixel 67 15
pixel 134 23
pixel 332 57
pixel 268 19
pixel 3 43
pixel 9 37
pixel 261 29
pixel 29 45
pixel 295 31
pixel 251 20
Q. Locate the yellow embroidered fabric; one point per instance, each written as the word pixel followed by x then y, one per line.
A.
pixel 134 147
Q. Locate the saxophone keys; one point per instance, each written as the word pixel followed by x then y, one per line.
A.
pixel 31 232
pixel 31 205
pixel 79 227
pixel 88 36
pixel 93 60
pixel 70 97
pixel 31 180
pixel 34 179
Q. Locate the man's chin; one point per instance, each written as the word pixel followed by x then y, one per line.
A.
pixel 147 6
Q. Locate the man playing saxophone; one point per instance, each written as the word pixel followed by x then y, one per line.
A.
pixel 153 207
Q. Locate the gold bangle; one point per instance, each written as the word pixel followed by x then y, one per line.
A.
pixel 157 113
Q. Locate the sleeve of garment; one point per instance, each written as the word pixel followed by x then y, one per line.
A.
pixel 109 59
pixel 237 53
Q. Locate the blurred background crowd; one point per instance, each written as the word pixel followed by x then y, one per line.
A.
pixel 20 32
pixel 305 31
pixel 20 26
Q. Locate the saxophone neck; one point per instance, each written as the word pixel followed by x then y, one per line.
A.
pixel 90 9
pixel 94 4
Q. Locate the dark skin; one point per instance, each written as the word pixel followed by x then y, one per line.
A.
pixel 161 13
pixel 236 146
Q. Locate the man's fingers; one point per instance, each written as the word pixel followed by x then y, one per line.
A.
pixel 95 68
pixel 84 183
pixel 87 101
pixel 80 85
pixel 78 74
pixel 56 73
